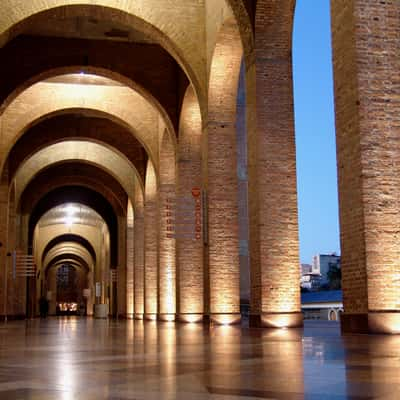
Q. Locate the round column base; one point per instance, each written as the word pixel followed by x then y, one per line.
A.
pixel 150 317
pixel 281 320
pixel 225 318
pixel 386 322
pixel 191 318
pixel 166 317
pixel 138 316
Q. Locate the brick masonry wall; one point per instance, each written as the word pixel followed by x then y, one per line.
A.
pixel 184 38
pixel 139 263
pixel 28 57
pixel 189 251
pixel 130 261
pixel 74 174
pixel 122 267
pixel 151 228
pixel 98 99
pixel 72 126
pixel 222 173
pixel 167 245
pixel 272 166
pixel 366 48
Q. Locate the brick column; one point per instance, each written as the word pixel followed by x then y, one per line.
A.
pixel 151 228
pixel 241 137
pixel 274 239
pixel 130 284
pixel 222 177
pixel 190 250
pixel 167 243
pixel 366 55
pixel 3 240
pixel 139 263
pixel 121 268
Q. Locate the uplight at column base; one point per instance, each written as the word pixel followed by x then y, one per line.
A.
pixel 225 319
pixel 282 320
pixel 190 318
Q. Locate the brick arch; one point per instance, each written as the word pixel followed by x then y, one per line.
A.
pixel 148 20
pixel 222 176
pixel 86 152
pixel 108 102
pixel 66 249
pixel 81 195
pixel 71 238
pixel 115 76
pixel 74 126
pixel 74 260
pixel 125 77
pixel 73 174
pixel 244 12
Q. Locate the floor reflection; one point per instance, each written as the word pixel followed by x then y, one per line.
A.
pixel 73 358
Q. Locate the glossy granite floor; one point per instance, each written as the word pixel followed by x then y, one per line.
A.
pixel 72 358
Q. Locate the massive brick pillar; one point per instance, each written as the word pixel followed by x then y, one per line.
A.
pixel 139 261
pixel 274 258
pixel 167 243
pixel 241 137
pixel 190 249
pixel 151 244
pixel 3 240
pixel 222 177
pixel 121 297
pixel 130 285
pixel 12 292
pixel 366 49
pixel 16 293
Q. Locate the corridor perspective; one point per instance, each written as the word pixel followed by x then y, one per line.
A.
pixel 148 202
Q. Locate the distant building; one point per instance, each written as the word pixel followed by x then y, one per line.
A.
pixel 306 269
pixel 322 263
pixel 326 305
pixel 310 281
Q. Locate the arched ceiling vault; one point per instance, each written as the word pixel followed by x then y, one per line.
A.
pixel 64 258
pixel 70 238
pixel 66 250
pixel 107 60
pixel 116 103
pixel 114 163
pixel 78 175
pixel 147 23
pixel 74 262
pixel 85 196
pixel 132 20
pixel 75 126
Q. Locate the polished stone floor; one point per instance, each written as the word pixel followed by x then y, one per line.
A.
pixel 72 358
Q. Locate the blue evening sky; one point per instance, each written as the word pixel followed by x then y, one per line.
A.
pixel 315 130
